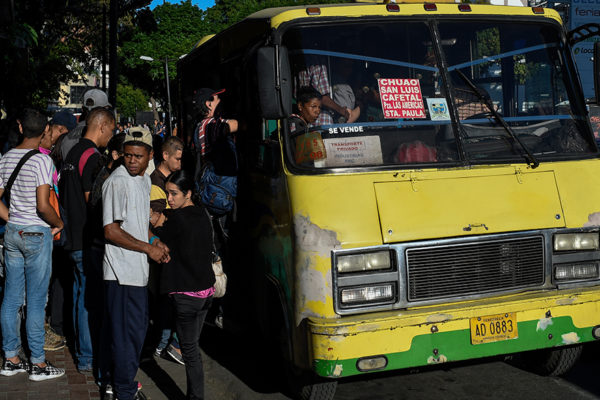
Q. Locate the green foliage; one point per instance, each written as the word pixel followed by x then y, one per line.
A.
pixel 488 42
pixel 167 32
pixel 130 100
pixel 43 44
pixel 227 12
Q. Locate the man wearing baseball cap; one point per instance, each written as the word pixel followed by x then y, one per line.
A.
pixel 129 243
pixel 93 98
pixel 77 179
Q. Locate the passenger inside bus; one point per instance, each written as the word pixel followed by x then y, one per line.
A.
pixel 315 75
pixel 345 85
pixel 308 103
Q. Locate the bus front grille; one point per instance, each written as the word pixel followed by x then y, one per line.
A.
pixel 473 268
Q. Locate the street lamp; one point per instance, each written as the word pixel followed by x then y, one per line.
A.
pixel 146 58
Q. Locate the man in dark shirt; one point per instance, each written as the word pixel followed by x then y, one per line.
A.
pixel 77 178
pixel 172 151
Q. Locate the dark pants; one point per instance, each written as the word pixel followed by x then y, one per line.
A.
pixel 61 283
pixel 190 314
pixel 126 322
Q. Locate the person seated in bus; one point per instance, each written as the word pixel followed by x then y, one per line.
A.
pixel 308 145
pixel 343 90
pixel 316 76
pixel 308 102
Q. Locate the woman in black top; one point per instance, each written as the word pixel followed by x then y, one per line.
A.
pixel 188 278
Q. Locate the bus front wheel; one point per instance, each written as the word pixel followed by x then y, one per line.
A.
pixel 319 391
pixel 553 362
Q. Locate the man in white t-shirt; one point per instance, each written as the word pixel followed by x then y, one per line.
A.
pixel 31 226
pixel 126 214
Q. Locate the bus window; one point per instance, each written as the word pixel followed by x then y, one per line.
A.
pixel 520 67
pixel 387 76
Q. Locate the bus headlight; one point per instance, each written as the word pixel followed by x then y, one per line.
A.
pixel 572 272
pixel 576 241
pixel 368 294
pixel 378 260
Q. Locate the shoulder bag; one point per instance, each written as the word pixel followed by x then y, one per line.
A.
pixel 217 265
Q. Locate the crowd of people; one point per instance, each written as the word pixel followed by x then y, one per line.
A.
pixel 85 208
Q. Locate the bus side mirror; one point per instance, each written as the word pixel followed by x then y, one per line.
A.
pixel 597 71
pixel 274 82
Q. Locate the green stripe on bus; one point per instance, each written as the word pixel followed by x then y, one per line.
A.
pixel 441 347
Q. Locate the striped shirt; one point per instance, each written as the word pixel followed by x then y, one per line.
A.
pixel 37 171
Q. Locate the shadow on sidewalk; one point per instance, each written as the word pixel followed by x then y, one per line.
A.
pixel 243 355
pixel 161 378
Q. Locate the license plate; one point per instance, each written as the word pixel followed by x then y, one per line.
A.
pixel 494 328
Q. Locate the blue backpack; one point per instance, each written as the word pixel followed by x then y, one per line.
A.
pixel 217 192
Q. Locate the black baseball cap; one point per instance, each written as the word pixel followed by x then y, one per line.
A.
pixel 204 94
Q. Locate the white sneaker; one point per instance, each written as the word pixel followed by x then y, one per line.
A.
pixel 9 368
pixel 38 373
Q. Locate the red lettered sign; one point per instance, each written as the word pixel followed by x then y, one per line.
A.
pixel 401 98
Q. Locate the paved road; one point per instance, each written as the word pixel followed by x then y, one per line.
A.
pixel 240 375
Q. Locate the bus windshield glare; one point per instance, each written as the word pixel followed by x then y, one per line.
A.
pixel 507 92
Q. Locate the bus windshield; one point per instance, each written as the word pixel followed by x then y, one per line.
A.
pixel 505 95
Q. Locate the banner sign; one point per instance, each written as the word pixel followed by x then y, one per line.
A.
pixel 358 150
pixel 584 12
pixel 401 98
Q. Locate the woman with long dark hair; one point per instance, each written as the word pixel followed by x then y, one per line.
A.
pixel 188 278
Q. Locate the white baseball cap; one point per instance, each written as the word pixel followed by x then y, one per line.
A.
pixel 94 98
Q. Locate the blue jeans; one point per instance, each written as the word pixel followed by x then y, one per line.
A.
pixel 28 258
pixel 87 303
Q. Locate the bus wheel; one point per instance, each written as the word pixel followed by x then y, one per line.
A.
pixel 553 362
pixel 319 391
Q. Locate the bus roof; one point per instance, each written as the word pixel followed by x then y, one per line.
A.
pixel 279 15
pixel 272 18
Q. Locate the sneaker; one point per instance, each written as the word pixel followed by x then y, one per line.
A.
pixel 158 352
pixel 51 332
pixel 106 392
pixel 175 354
pixel 37 373
pixel 219 321
pixel 139 395
pixel 88 370
pixel 53 343
pixel 9 368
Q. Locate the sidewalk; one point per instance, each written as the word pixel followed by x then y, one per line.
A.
pixel 75 386
pixel 71 386
pixel 161 378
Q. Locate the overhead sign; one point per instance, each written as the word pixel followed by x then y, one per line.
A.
pixel 584 12
pixel 401 98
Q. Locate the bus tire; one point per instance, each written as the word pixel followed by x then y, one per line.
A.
pixel 319 391
pixel 554 362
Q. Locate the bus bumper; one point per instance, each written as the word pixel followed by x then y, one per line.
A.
pixel 439 334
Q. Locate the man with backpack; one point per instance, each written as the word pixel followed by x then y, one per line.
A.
pixel 217 166
pixel 25 182
pixel 79 170
pixel 92 99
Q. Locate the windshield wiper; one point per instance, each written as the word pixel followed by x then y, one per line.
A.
pixel 529 157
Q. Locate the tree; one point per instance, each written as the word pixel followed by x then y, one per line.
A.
pixel 227 12
pixel 167 32
pixel 42 45
pixel 130 100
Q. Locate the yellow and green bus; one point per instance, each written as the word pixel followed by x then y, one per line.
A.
pixel 446 207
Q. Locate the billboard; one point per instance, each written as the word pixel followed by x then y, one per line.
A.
pixel 585 12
